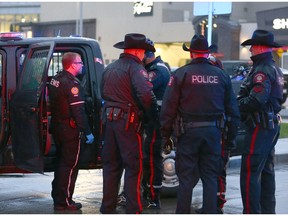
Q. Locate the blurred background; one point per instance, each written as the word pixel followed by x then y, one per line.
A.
pixel 168 24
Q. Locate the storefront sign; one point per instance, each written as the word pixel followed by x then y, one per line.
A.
pixel 143 8
pixel 280 24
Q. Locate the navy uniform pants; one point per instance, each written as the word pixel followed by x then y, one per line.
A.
pixel 67 149
pixel 152 161
pixel 221 195
pixel 257 176
pixel 198 150
pixel 122 150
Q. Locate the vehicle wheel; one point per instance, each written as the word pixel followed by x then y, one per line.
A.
pixel 170 181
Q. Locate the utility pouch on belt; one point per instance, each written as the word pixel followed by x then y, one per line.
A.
pixel 178 126
pixel 221 121
pixel 227 125
pixel 269 120
pixel 109 113
pixel 117 112
pixel 263 120
pixel 129 113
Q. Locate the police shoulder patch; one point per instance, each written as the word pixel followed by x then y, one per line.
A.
pixel 151 75
pixel 259 77
pixel 74 90
pixel 144 73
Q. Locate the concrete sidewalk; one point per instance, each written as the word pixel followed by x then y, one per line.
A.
pixel 281 154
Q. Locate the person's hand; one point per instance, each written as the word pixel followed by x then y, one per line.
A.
pixel 230 145
pixel 89 138
pixel 167 145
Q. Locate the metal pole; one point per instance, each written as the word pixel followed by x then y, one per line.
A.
pixel 210 14
pixel 77 19
pixel 81 19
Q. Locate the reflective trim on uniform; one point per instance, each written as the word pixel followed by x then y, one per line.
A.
pixel 71 171
pixel 139 137
pixel 151 163
pixel 248 167
pixel 156 186
pixel 159 102
pixel 75 103
pixel 221 193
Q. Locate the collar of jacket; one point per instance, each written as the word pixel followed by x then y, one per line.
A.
pixel 155 61
pixel 127 55
pixel 71 76
pixel 199 60
pixel 267 56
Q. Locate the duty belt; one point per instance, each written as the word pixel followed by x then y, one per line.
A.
pixel 200 124
pixel 115 113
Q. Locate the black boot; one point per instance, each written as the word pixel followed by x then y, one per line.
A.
pixel 154 202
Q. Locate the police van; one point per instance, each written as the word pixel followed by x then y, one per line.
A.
pixel 26 66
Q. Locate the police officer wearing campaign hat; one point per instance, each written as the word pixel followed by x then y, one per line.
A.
pixel 202 95
pixel 68 122
pixel 127 93
pixel 259 100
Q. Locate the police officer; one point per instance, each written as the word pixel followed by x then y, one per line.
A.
pixel 225 154
pixel 127 92
pixel 68 122
pixel 259 102
pixel 201 94
pixel 159 76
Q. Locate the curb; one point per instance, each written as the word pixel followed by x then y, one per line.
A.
pixel 281 155
pixel 235 162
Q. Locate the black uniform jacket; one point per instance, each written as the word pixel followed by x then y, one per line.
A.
pixel 67 100
pixel 200 91
pixel 159 76
pixel 124 82
pixel 262 90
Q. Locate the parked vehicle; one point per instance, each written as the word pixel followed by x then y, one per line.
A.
pixel 285 90
pixel 25 142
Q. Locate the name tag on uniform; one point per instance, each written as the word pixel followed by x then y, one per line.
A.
pixel 204 79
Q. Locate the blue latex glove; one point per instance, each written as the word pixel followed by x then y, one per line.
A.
pixel 90 138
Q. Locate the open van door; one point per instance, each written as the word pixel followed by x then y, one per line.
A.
pixel 27 108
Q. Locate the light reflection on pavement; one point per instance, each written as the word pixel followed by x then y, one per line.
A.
pixel 30 193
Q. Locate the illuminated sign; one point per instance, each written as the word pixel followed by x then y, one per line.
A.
pixel 143 8
pixel 280 23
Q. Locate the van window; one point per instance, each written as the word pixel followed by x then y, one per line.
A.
pixel 34 71
pixel 55 64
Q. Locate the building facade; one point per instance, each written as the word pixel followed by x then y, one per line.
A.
pixel 168 24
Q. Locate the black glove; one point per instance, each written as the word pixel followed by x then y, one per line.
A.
pixel 167 145
pixel 230 145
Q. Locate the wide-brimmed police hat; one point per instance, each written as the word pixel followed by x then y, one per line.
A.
pixel 199 44
pixel 261 37
pixel 134 41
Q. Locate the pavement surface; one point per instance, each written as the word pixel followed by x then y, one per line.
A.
pixel 30 193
